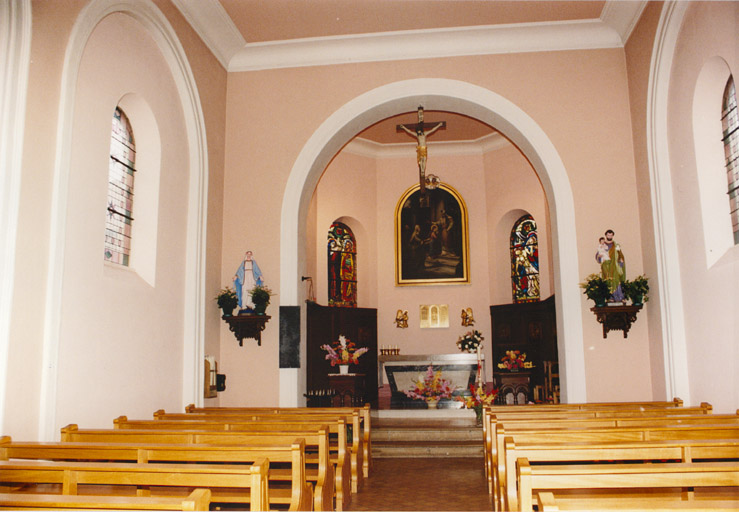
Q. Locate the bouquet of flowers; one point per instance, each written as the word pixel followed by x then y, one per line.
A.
pixel 470 341
pixel 478 399
pixel 343 351
pixel 514 360
pixel 431 385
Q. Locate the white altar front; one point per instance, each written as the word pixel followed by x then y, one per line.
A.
pixel 402 371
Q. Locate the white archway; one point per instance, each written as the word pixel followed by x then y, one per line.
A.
pixel 150 17
pixel 473 101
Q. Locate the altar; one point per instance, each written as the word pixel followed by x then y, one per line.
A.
pixel 401 371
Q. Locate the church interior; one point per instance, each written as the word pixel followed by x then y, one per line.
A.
pixel 398 173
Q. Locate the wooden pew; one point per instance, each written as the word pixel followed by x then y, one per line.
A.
pixel 299 495
pixel 364 414
pixel 594 451
pixel 492 440
pixel 609 434
pixel 338 449
pixel 546 502
pixel 554 478
pixel 199 499
pixel 351 417
pixel 315 440
pixel 241 484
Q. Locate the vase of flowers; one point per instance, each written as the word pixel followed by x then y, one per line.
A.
pixel 430 388
pixel 636 290
pixel 343 353
pixel 595 288
pixel 227 301
pixel 478 399
pixel 470 341
pixel 260 296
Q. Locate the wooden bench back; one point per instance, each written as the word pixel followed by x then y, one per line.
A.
pixel 247 484
pixel 640 451
pixel 199 499
pixel 300 497
pixel 315 440
pixel 531 479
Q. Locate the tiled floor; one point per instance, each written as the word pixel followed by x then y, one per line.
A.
pixel 424 485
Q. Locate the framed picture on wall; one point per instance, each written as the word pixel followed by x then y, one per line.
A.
pixel 431 238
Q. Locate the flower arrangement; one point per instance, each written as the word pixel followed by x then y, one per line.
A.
pixel 514 360
pixel 470 341
pixel 227 300
pixel 478 399
pixel 596 289
pixel 637 289
pixel 344 351
pixel 260 296
pixel 430 386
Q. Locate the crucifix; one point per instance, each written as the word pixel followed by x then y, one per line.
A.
pixel 420 131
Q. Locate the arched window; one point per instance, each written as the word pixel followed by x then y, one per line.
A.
pixel 120 191
pixel 525 260
pixel 342 266
pixel 730 122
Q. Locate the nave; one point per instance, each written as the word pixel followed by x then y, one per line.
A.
pixel 426 484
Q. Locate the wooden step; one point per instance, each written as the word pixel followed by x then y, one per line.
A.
pixel 414 437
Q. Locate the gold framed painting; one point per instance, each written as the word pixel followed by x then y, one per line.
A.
pixel 431 240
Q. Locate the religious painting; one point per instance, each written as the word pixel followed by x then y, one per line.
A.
pixel 431 237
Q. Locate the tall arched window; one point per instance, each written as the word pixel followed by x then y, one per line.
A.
pixel 120 191
pixel 525 260
pixel 342 266
pixel 730 122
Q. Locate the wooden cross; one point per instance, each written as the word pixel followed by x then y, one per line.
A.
pixel 420 131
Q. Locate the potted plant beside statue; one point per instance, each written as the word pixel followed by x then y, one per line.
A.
pixel 260 296
pixel 227 301
pixel 636 290
pixel 596 289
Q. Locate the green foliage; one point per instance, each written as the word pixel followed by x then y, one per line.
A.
pixel 596 288
pixel 227 299
pixel 260 295
pixel 637 290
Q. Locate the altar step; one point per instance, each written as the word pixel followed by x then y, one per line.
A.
pixel 420 437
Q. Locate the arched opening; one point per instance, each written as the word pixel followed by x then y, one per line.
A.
pixel 472 101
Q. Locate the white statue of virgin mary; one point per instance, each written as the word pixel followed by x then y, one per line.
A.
pixel 247 277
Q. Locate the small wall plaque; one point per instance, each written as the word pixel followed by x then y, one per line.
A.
pixel 434 315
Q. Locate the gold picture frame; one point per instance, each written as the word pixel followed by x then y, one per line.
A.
pixel 431 242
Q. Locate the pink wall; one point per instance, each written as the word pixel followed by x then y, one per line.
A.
pixel 104 369
pixel 709 30
pixel 579 99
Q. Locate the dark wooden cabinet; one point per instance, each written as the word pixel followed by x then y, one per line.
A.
pixel 324 325
pixel 529 328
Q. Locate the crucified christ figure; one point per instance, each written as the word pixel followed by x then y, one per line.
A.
pixel 421 150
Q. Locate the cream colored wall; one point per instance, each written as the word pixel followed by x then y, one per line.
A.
pixel 710 293
pixel 51 23
pixel 127 333
pixel 578 98
pixel 638 56
pixel 346 188
pixel 348 193
pixel 513 190
pixel 104 369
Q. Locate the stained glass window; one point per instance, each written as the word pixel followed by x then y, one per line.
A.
pixel 525 260
pixel 730 122
pixel 118 216
pixel 342 266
